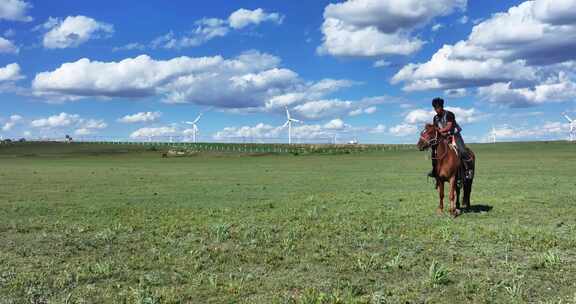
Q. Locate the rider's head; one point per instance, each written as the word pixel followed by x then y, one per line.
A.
pixel 438 104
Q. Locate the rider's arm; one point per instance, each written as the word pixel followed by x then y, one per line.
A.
pixel 449 126
pixel 450 123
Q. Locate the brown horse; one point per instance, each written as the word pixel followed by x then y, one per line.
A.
pixel 448 169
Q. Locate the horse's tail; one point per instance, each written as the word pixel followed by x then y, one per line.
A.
pixel 467 183
pixel 471 156
pixel 460 173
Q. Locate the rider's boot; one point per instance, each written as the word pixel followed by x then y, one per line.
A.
pixel 468 173
pixel 432 172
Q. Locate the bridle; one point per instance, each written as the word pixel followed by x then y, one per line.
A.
pixel 434 142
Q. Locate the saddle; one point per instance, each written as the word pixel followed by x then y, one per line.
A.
pixel 462 169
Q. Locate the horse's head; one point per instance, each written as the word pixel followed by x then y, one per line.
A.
pixel 428 137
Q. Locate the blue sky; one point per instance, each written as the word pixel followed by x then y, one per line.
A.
pixel 361 68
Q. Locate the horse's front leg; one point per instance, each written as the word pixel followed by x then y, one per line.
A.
pixel 453 210
pixel 440 187
pixel 458 196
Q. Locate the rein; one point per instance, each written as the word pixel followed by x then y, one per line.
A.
pixel 445 152
pixel 434 142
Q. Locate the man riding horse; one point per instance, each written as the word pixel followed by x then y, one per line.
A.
pixel 446 123
pixel 449 158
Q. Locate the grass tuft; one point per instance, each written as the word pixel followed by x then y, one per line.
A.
pixel 220 232
pixel 437 274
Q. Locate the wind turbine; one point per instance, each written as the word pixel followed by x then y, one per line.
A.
pixel 194 127
pixel 572 126
pixel 493 135
pixel 289 121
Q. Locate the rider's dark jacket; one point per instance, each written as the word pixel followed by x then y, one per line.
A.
pixel 441 121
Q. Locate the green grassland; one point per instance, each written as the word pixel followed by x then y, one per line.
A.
pixel 83 223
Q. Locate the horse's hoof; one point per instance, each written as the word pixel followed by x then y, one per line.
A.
pixel 455 213
pixel 439 212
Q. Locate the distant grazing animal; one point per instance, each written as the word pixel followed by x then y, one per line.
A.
pixel 448 169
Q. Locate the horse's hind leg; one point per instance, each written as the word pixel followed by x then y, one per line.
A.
pixel 468 188
pixel 440 186
pixel 467 193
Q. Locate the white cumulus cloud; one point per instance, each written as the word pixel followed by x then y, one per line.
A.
pixel 56 121
pixel 93 124
pixel 547 130
pixel 381 64
pixel 207 29
pixel 557 89
pixel 10 72
pixel 73 31
pixel 129 47
pixel 12 121
pixel 376 28
pixel 66 122
pixel 245 17
pixel 15 10
pixel 456 93
pixel 260 130
pixel 402 130
pixel 414 119
pixel 379 129
pixel 326 108
pixel 8 126
pixel 252 81
pixel 141 117
pixel 341 39
pixel 154 132
pixel 308 92
pixel 7 46
pixel 444 71
pixel 511 55
pixel 132 77
pixel 436 27
pixel 463 116
pixel 335 124
pixel 322 108
pixel 301 131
